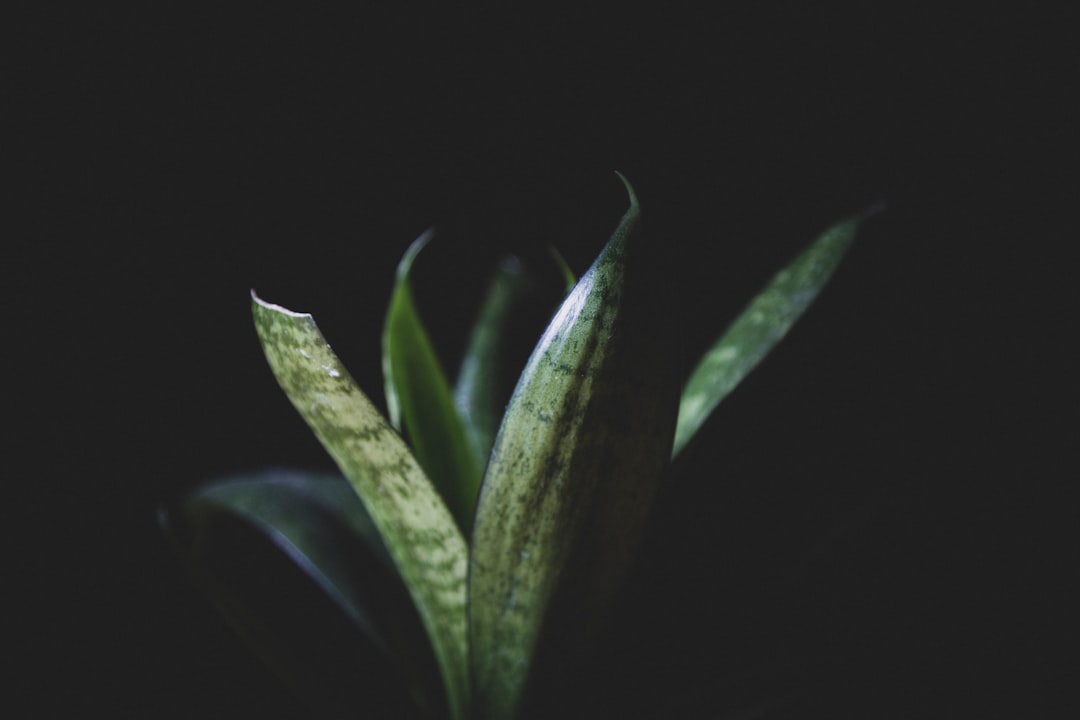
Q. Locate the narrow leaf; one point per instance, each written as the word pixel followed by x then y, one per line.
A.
pixel 759 328
pixel 419 398
pixel 419 532
pixel 584 441
pixel 476 392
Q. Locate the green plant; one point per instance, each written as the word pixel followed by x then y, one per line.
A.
pixel 510 544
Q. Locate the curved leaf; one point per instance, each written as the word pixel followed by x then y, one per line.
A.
pixel 476 392
pixel 414 522
pixel 418 398
pixel 575 467
pixel 759 328
pixel 564 269
pixel 317 522
pixel 304 515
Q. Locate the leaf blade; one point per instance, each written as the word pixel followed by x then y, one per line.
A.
pixel 476 391
pixel 754 333
pixel 414 522
pixel 319 524
pixel 420 401
pixel 292 510
pixel 583 444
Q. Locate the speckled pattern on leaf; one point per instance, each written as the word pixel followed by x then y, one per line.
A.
pixel 415 524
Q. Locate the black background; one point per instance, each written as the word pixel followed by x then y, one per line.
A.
pixel 878 523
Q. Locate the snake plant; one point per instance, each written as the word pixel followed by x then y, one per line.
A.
pixel 509 531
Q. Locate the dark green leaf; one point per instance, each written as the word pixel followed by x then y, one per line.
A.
pixel 759 328
pixel 414 522
pixel 575 467
pixel 419 399
pixel 476 393
pixel 307 517
pixel 318 522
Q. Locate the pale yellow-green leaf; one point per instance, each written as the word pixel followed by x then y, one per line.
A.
pixel 415 524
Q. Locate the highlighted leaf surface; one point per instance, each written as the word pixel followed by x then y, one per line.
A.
pixel 584 441
pixel 759 328
pixel 413 520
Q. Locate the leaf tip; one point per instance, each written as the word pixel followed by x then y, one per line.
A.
pixel 629 189
pixel 414 249
pixel 258 302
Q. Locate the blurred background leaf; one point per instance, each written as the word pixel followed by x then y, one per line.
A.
pixel 343 631
pixel 478 392
pixel 764 323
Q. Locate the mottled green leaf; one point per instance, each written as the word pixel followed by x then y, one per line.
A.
pixel 476 392
pixel 319 523
pixel 759 328
pixel 419 399
pixel 414 522
pixel 575 467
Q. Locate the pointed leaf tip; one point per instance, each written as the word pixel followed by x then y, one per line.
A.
pixel 629 189
pixel 406 263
